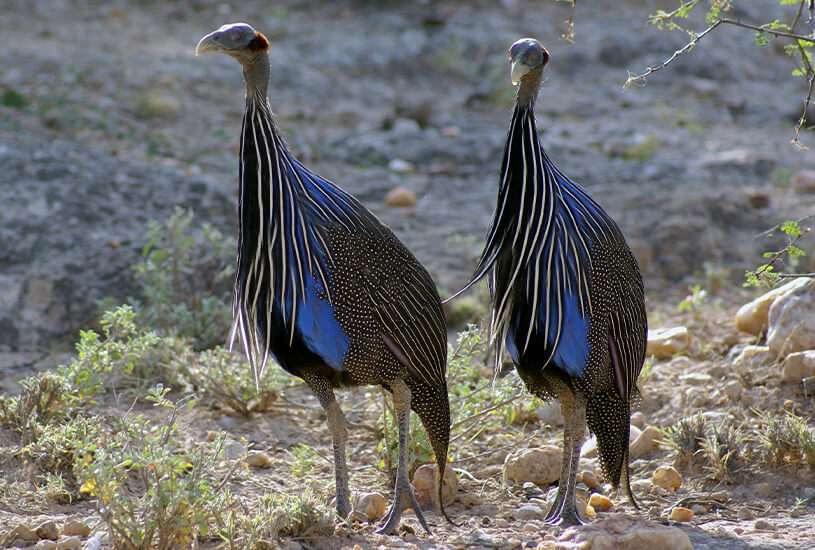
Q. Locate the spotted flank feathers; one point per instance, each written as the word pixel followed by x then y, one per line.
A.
pixel 294 225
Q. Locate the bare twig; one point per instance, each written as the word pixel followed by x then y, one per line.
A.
pixel 654 68
pixel 568 34
pixel 763 28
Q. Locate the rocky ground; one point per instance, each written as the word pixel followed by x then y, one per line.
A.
pixel 107 120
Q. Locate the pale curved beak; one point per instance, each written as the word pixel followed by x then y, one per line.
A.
pixel 517 72
pixel 209 43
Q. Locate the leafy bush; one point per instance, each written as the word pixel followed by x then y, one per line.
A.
pixel 185 278
pixel 153 490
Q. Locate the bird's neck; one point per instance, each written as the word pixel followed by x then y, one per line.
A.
pixel 528 90
pixel 256 75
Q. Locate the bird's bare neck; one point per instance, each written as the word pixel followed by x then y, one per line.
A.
pixel 528 90
pixel 256 75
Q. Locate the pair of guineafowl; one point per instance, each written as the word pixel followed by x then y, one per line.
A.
pixel 336 299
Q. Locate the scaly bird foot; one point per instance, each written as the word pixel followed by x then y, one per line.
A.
pixel 565 517
pixel 399 506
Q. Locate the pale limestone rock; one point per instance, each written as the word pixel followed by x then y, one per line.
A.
pixel 540 465
pixel 373 505
pixel 46 545
pixel 667 477
pixel 681 514
pixel 622 531
pixel 752 356
pixel 664 343
pixel 752 316
pixel 798 366
pixel 645 444
pixel 399 197
pixel 424 486
pixel 791 320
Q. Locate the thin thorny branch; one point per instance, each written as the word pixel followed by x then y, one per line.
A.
pixel 800 43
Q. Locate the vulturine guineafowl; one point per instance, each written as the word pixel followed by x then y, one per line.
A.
pixel 326 289
pixel 566 293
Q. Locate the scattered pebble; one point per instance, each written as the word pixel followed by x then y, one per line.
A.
pixel 590 479
pixel 425 489
pixel 763 525
pixel 590 511
pixel 667 477
pixel 601 503
pixel 530 528
pixel 698 509
pixel 47 530
pixel 259 459
pixel 732 389
pixel 667 342
pixel 46 545
pixel 210 436
pixel 539 465
pixel 528 512
pixel 373 505
pixel 400 166
pixel 745 513
pixel 681 514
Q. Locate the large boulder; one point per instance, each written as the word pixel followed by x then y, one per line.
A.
pixel 791 320
pixel 752 316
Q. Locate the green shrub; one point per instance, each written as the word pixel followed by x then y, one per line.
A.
pixel 185 278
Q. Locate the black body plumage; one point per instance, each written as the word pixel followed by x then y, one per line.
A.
pixel 567 298
pixel 325 289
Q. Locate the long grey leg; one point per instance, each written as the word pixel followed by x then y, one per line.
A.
pixel 564 511
pixel 403 497
pixel 337 426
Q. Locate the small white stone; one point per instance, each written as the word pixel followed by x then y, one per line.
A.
pixel 528 512
pixel 638 419
pixel 732 389
pixel 400 166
